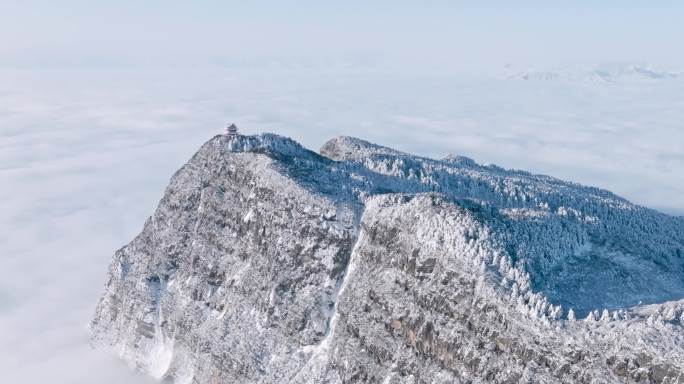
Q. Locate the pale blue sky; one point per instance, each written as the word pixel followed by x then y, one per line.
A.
pixel 414 35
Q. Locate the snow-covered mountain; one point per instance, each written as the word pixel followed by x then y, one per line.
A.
pixel 598 74
pixel 266 262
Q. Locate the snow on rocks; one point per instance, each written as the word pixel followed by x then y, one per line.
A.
pixel 266 262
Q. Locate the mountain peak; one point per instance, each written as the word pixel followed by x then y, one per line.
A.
pixel 267 143
pixel 343 148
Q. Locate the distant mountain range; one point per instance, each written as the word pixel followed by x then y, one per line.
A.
pixel 612 73
pixel 266 262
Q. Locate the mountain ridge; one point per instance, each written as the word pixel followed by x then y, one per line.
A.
pixel 309 245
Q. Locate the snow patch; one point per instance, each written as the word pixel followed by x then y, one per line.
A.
pixel 161 354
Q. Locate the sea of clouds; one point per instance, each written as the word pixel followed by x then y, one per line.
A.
pixel 86 154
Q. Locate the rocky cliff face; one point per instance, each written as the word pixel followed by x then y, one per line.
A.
pixel 269 263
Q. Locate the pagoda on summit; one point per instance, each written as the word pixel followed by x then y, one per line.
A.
pixel 231 130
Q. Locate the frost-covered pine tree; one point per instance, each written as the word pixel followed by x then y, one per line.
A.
pixel 616 315
pixel 591 317
pixel 555 312
pixel 571 315
pixel 515 292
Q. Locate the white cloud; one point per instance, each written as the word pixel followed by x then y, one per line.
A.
pixel 85 156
